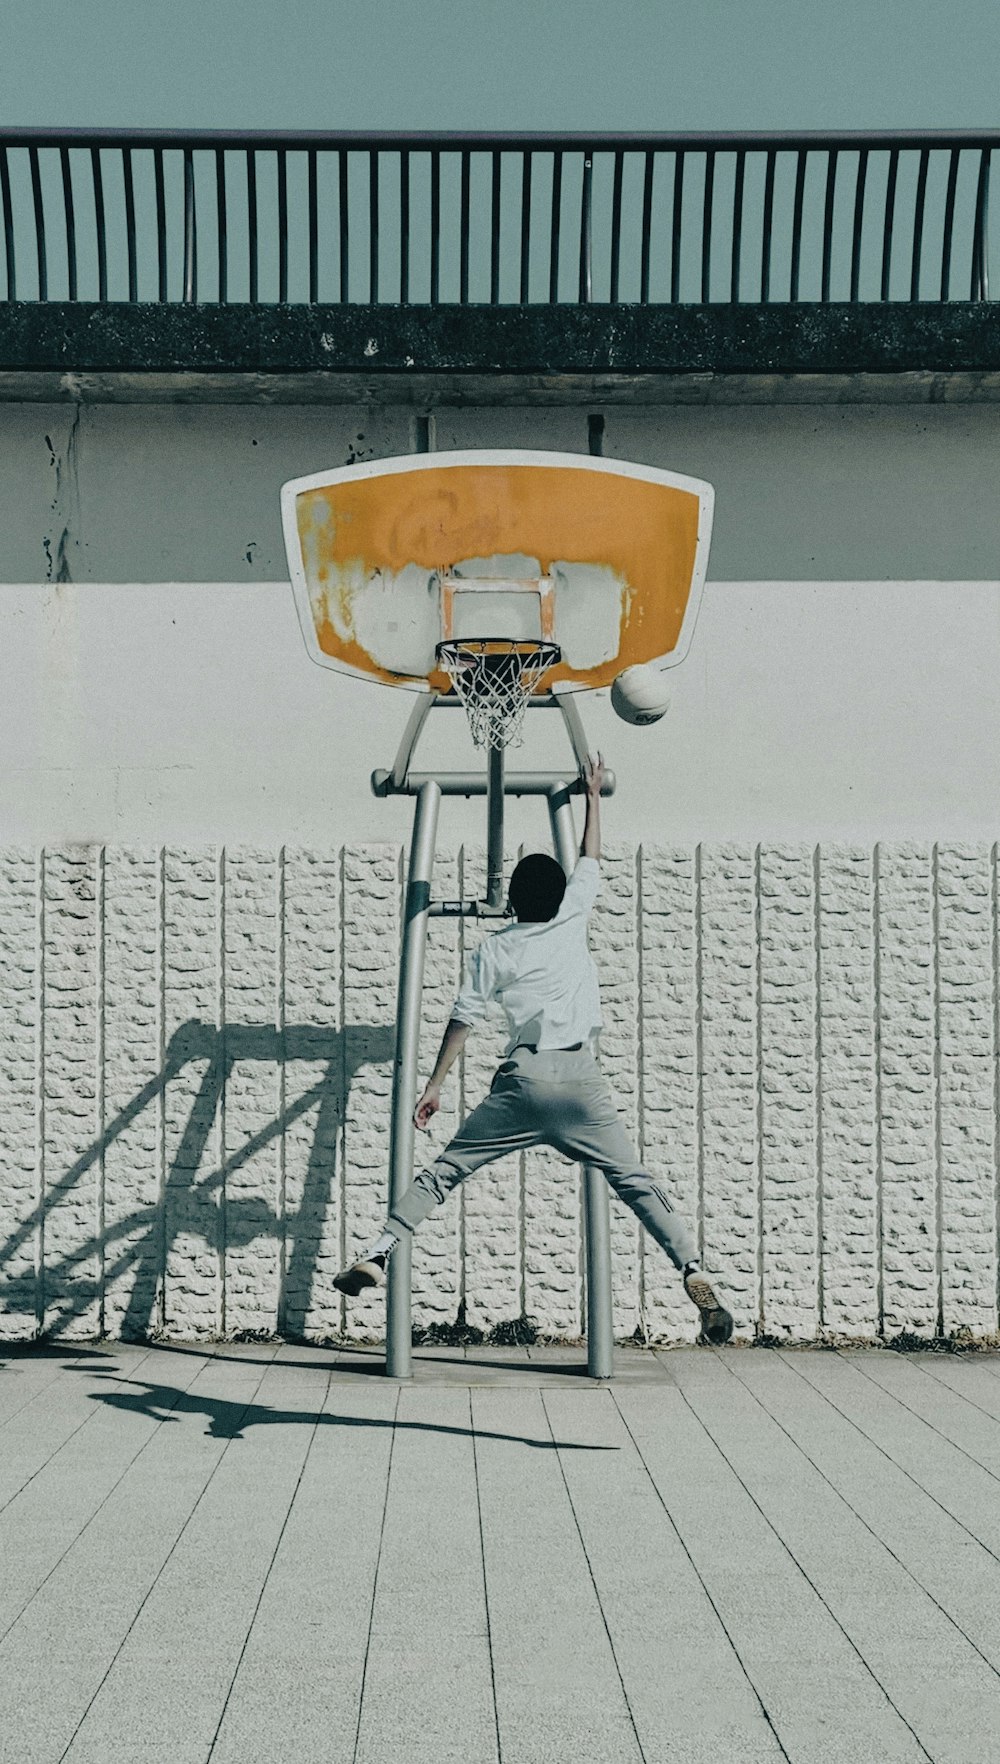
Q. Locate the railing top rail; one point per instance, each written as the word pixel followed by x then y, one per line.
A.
pixel 510 140
pixel 478 217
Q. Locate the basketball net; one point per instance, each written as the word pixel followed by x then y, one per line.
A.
pixel 494 678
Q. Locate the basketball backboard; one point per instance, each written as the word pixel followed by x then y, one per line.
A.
pixel 603 557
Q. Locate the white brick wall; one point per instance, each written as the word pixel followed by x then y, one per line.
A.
pixel 195 1086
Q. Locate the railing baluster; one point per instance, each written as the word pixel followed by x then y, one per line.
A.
pixel 890 211
pixel 463 228
pixel 313 202
pixel 586 230
pixel 373 224
pixel 404 227
pixel 765 244
pixel 828 209
pixel 97 178
pixel 220 224
pixel 526 168
pixel 67 185
pixel 8 226
pixel 435 226
pixel 557 168
pixel 190 231
pixel 734 268
pixel 252 222
pixel 859 220
pixel 133 265
pixel 647 226
pixel 979 286
pixel 800 190
pixel 706 229
pixel 949 223
pixel 918 225
pixel 36 193
pixel 616 222
pixel 495 231
pixel 282 169
pixel 676 229
pixel 161 222
pixel 343 218
pixel 984 266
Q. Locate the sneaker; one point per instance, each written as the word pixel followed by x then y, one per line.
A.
pixel 361 1277
pixel 716 1323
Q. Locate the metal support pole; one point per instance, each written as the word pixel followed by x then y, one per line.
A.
pixel 398 1332
pixel 600 1333
pixel 494 827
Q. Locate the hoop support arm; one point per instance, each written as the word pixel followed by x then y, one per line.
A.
pixel 475 783
pixel 399 1335
pixel 398 780
pixel 600 1331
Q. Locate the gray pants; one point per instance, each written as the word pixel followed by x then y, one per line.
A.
pixel 553 1097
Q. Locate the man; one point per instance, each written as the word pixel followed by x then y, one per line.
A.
pixel 549 1089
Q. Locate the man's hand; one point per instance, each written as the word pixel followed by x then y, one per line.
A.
pixel 427 1107
pixel 452 1043
pixel 593 773
pixel 593 778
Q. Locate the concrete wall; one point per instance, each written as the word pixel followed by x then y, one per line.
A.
pixel 178 712
pixel 804 492
pixel 841 683
pixel 798 934
pixel 195 1059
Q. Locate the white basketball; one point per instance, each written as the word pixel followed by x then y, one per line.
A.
pixel 640 695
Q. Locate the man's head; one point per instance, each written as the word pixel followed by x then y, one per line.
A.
pixel 537 887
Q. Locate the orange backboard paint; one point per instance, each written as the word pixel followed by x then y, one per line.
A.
pixel 399 522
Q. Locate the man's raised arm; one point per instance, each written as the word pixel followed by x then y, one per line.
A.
pixel 593 777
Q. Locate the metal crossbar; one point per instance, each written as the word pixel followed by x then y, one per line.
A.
pixel 443 218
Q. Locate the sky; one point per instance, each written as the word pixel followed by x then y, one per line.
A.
pixel 502 64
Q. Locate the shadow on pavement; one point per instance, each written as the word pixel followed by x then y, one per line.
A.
pixel 230 1420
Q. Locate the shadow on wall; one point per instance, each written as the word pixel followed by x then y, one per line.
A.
pixel 139 1241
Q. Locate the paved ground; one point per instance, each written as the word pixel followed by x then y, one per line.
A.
pixel 262 1553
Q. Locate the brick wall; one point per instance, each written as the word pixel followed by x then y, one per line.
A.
pixel 195 1077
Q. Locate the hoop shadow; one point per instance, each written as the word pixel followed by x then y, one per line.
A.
pixel 189 1201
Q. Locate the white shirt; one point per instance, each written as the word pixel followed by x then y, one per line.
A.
pixel 542 974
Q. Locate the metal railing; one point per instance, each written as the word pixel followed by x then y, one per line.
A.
pixel 451 218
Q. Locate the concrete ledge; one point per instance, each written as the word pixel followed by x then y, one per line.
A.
pixel 689 353
pixel 426 391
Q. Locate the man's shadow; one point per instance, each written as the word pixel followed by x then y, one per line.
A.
pixel 188 1204
pixel 230 1419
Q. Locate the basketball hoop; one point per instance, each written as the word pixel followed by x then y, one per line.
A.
pixel 494 677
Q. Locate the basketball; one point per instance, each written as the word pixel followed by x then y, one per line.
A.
pixel 639 695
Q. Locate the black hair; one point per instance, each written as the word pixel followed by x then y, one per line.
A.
pixel 537 887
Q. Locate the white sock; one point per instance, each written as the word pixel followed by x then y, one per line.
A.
pixel 384 1247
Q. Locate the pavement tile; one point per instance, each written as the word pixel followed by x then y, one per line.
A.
pixel 966 1490
pixel 687 1691
pixel 40 1431
pixel 941 1554
pixel 558 1693
pixel 776 1621
pixel 38 1716
pixel 94 1751
pixel 55 1513
pixel 704 1537
pixel 295 1712
pixel 942 1687
pixel 429 1658
pixel 904 1377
